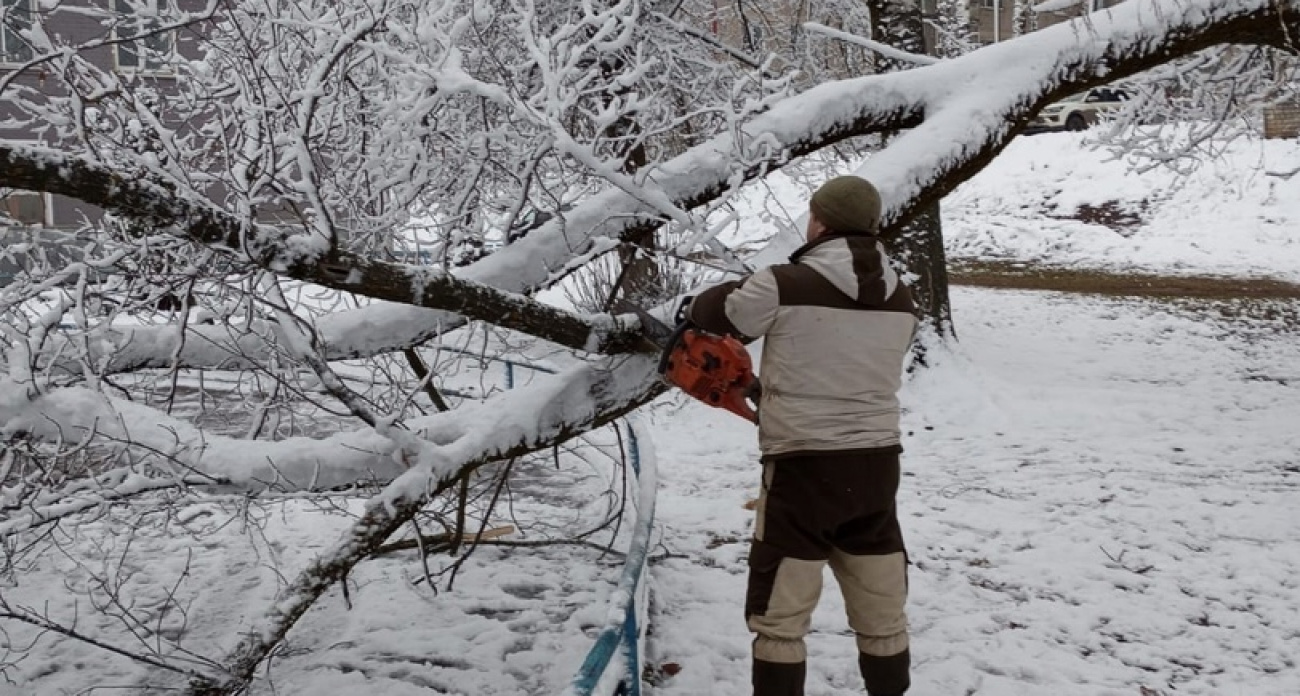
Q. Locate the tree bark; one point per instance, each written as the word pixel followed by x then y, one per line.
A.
pixel 918 242
pixel 920 246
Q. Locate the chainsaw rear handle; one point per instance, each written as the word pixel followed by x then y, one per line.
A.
pixel 682 309
pixel 682 324
pixel 665 358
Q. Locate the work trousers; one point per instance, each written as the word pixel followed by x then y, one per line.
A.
pixel 837 509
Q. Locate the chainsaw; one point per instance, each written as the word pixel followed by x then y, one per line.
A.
pixel 711 368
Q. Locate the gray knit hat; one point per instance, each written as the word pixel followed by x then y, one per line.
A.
pixel 848 205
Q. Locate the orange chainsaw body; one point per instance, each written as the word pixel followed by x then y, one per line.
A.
pixel 714 369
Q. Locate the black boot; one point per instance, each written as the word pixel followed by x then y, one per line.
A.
pixel 886 676
pixel 779 678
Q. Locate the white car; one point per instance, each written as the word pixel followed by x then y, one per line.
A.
pixel 1078 112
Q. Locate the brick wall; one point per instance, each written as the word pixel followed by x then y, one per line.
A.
pixel 1282 120
pixel 73 26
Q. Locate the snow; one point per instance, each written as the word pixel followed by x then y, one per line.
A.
pixel 1006 78
pixel 1056 5
pixel 882 48
pixel 518 619
pixel 1098 495
pixel 1098 498
pixel 1098 490
pixel 1227 217
pixel 1012 75
pixel 521 416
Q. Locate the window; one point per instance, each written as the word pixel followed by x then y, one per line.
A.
pixel 17 17
pixel 154 51
pixel 1104 94
pixel 24 208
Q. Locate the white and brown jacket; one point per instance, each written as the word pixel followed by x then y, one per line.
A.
pixel 837 323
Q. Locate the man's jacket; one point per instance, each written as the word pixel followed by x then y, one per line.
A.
pixel 837 323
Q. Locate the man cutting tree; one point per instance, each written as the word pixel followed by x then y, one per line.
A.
pixel 837 323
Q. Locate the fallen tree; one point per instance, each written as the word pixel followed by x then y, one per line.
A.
pixel 957 115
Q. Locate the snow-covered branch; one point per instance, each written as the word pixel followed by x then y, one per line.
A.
pixel 292 256
pixel 541 417
pixel 497 424
pixel 883 49
pixel 123 484
pixel 972 106
pixel 977 103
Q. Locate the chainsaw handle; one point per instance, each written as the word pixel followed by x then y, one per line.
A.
pixel 681 317
pixel 674 340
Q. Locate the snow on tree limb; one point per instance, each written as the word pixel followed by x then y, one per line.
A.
pixel 292 256
pixel 972 107
pixel 366 331
pixel 304 463
pixel 1056 5
pixel 564 407
pixel 56 506
pixel 976 104
pixel 883 49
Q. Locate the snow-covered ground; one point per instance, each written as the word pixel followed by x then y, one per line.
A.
pixel 1100 498
pixel 1040 201
pixel 1228 217
pixel 1099 494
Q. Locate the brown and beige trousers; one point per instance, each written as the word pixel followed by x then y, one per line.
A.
pixel 834 509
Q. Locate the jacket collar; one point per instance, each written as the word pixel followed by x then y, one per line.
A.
pixel 829 237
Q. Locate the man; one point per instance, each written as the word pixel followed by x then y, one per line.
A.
pixel 837 323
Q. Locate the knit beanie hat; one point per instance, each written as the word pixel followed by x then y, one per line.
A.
pixel 847 205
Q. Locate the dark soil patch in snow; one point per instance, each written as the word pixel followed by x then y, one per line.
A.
pixel 1111 214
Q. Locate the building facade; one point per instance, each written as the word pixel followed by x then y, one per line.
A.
pixel 23 70
pixel 102 28
pixel 775 25
pixel 993 21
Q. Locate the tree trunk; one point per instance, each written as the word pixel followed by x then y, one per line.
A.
pixel 919 242
pixel 919 245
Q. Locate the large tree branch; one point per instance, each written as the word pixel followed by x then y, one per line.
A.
pixel 978 103
pixel 562 408
pixel 295 463
pixel 292 256
pixel 973 107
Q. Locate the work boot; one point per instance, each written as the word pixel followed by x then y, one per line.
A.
pixel 886 676
pixel 779 678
